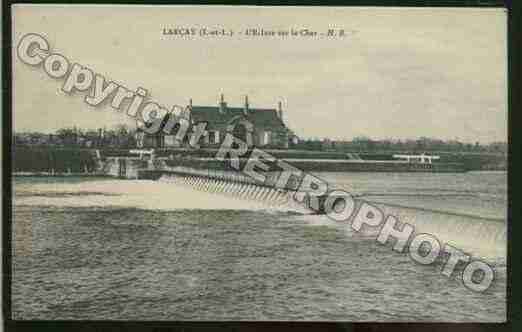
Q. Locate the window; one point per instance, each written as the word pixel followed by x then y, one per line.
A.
pixel 213 136
pixel 140 138
pixel 266 138
pixel 170 140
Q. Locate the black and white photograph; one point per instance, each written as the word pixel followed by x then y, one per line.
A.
pixel 257 163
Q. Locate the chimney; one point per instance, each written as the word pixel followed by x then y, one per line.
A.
pixel 245 109
pixel 280 110
pixel 190 103
pixel 222 104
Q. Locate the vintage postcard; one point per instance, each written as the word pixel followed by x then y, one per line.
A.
pixel 219 163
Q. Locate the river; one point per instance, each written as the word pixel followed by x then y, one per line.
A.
pixel 99 248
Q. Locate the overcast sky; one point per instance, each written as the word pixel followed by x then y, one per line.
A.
pixel 401 73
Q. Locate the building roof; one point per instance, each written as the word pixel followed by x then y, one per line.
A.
pixel 259 117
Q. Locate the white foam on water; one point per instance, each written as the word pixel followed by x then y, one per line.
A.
pixel 165 194
pixel 479 237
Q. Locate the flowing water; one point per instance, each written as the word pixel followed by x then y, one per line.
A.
pixel 188 249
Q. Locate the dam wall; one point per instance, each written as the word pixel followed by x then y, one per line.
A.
pixel 127 167
pixel 323 165
pixel 58 161
pixel 471 161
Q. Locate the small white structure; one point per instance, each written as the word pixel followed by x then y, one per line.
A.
pixel 142 152
pixel 419 158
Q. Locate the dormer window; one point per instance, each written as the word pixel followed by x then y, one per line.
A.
pixel 266 137
pixel 213 136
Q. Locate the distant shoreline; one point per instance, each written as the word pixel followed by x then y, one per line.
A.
pixel 45 161
pixel 48 174
pixel 99 175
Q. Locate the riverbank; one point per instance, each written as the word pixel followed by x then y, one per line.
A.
pixel 46 161
pixel 52 160
pixel 470 161
pixel 60 174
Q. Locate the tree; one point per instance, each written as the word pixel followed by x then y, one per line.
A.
pixel 67 136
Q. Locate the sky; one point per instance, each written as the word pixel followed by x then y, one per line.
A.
pixel 399 73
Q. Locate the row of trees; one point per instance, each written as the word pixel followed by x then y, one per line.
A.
pixel 119 136
pixel 123 137
pixel 422 144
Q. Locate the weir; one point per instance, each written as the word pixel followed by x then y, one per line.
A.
pixel 247 191
pixel 241 186
pixel 226 183
pixel 465 230
pixel 473 233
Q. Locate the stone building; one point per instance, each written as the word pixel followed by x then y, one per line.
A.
pixel 268 128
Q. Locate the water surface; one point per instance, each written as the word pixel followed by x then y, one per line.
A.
pixel 126 249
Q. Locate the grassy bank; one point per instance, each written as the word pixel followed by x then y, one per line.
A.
pixel 472 161
pixel 57 160
pixel 74 160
